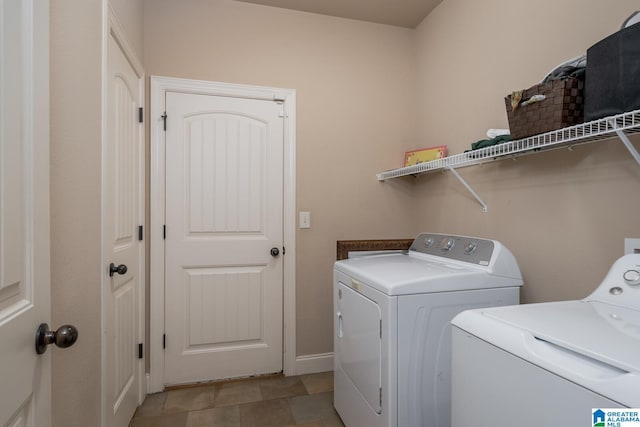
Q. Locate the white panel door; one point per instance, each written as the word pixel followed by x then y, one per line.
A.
pixel 25 383
pixel 124 210
pixel 224 214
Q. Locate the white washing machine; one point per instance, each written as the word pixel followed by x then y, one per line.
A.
pixel 392 336
pixel 550 363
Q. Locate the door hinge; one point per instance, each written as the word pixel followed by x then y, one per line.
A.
pixel 164 341
pixel 140 115
pixel 164 232
pixel 381 397
pixel 140 232
pixel 380 328
pixel 140 351
pixel 164 119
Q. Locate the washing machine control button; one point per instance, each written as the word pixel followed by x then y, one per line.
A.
pixel 428 242
pixel 632 277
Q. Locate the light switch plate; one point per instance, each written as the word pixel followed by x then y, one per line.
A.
pixel 305 219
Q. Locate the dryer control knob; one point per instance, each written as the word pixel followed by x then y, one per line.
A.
pixel 446 244
pixel 632 277
pixel 470 247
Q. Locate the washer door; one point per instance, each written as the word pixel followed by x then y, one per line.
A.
pixel 359 345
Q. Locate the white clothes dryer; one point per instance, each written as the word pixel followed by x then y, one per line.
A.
pixel 392 336
pixel 550 363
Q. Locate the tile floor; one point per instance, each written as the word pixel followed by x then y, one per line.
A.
pixel 305 400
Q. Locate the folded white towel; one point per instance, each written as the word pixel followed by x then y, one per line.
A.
pixel 631 20
pixel 492 133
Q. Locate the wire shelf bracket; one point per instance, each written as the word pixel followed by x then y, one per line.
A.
pixel 625 140
pixel 455 173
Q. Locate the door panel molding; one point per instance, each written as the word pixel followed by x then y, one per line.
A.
pixel 159 87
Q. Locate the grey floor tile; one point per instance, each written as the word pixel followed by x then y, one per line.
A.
pixel 153 405
pixel 225 416
pixel 280 387
pixel 270 402
pixel 333 421
pixel 318 383
pixel 189 399
pixel 236 393
pixel 168 420
pixel 268 413
pixel 313 408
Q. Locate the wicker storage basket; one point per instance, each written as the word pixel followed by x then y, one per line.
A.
pixel 562 107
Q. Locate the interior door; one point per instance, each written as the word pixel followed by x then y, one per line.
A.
pixel 224 234
pixel 25 385
pixel 124 254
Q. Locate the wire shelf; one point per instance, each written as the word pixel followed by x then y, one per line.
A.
pixel 596 130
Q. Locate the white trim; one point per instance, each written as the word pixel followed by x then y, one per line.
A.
pixel 159 87
pixel 155 234
pixel 314 363
pixel 289 224
pixel 119 36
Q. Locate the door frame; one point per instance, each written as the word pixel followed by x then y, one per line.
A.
pixel 113 28
pixel 159 87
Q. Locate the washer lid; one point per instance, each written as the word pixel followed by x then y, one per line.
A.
pixel 593 344
pixel 402 274
pixel 604 332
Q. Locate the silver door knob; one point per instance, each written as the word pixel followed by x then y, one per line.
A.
pixel 63 337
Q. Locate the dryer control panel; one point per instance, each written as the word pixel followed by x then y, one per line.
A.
pixel 461 248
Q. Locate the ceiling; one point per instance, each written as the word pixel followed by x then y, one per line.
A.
pixel 401 13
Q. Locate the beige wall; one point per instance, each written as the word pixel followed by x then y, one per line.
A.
pixel 75 207
pixel 563 214
pixel 76 272
pixel 356 110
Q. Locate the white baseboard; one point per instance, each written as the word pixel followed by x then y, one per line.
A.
pixel 148 383
pixel 313 363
